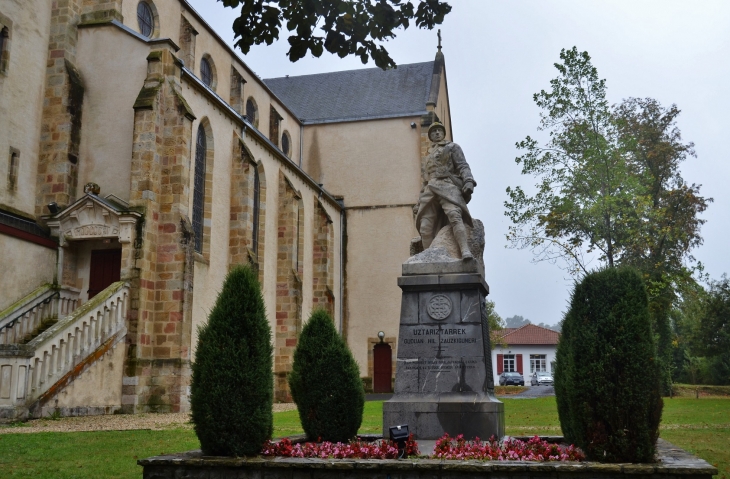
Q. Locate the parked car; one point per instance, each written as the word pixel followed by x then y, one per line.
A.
pixel 511 379
pixel 541 379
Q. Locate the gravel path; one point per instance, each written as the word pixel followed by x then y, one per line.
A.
pixel 115 422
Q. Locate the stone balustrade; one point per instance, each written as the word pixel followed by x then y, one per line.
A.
pixel 47 302
pixel 30 371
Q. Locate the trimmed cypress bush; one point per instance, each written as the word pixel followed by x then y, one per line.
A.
pixel 233 385
pixel 607 382
pixel 325 382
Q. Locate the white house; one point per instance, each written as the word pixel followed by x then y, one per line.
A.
pixel 524 350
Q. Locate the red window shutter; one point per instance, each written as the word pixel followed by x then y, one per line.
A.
pixel 519 363
pixel 500 363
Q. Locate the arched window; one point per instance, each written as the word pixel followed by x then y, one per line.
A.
pixel 199 188
pixel 145 19
pixel 286 143
pixel 251 112
pixel 206 72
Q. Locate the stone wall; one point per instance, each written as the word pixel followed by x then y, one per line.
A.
pixel 322 260
pixel 157 367
pixel 288 285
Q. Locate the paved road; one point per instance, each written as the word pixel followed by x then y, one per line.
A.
pixel 534 392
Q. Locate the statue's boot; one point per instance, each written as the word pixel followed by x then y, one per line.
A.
pixel 461 238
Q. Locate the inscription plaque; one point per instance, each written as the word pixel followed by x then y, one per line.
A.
pixel 443 381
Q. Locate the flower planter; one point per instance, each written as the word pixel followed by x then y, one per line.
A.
pixel 673 463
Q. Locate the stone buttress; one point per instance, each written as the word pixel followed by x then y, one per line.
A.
pixel 157 369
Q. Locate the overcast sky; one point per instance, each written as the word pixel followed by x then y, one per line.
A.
pixel 498 54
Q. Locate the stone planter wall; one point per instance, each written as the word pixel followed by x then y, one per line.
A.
pixel 674 463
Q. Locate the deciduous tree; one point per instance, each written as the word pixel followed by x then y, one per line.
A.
pixel 609 188
pixel 342 27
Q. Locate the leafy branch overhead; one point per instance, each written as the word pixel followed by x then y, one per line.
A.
pixel 342 27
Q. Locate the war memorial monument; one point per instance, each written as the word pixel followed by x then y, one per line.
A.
pixel 443 379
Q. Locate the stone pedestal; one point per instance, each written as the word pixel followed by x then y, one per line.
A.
pixel 443 379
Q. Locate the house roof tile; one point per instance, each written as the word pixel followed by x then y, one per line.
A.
pixel 528 334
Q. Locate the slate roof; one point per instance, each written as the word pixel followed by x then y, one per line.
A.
pixel 528 334
pixel 356 94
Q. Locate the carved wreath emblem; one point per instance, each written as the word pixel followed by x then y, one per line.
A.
pixel 439 307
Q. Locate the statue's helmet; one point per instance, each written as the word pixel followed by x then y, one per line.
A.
pixel 436 125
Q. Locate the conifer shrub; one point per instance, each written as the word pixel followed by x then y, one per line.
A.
pixel 231 393
pixel 325 382
pixel 607 382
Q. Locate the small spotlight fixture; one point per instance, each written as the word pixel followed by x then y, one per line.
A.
pixel 399 435
pixel 381 335
pixel 413 125
pixel 52 207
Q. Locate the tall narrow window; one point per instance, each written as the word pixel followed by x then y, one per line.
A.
pixel 286 143
pixel 206 73
pixel 256 212
pixel 252 112
pixel 13 169
pixel 199 189
pixel 145 19
pixel 274 122
pixel 4 48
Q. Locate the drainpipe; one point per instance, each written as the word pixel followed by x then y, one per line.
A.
pixel 342 268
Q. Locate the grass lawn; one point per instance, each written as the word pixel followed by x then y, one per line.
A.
pixel 701 426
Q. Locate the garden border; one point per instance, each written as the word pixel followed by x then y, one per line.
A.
pixel 674 463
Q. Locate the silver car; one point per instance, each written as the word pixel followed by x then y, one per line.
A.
pixel 541 379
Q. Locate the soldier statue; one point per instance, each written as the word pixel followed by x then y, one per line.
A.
pixel 447 187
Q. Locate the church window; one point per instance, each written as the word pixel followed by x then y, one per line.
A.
pixel 252 114
pixel 205 72
pixel 286 143
pixel 5 25
pixel 13 165
pixel 145 19
pixel 274 122
pixel 199 188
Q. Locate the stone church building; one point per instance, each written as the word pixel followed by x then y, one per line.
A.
pixel 141 158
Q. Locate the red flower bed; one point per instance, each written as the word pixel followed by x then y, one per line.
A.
pixel 509 450
pixel 356 449
pixel 446 448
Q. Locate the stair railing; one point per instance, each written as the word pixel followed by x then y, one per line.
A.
pixel 27 371
pixel 46 302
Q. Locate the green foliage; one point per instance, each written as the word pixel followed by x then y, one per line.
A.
pixel 232 385
pixel 325 382
pixel 609 188
pixel 346 27
pixel 607 382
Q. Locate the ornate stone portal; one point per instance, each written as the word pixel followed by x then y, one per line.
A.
pixel 443 379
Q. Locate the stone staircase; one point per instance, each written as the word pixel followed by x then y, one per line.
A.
pixel 46 342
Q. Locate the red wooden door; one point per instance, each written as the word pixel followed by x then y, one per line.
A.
pixel 105 269
pixel 382 368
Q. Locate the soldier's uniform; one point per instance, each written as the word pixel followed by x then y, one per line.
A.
pixel 442 200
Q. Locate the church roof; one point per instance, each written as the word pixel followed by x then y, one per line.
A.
pixel 356 94
pixel 528 334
